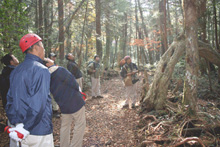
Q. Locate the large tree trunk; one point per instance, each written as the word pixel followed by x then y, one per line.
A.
pixel 98 28
pixel 156 96
pixel 192 55
pixel 61 30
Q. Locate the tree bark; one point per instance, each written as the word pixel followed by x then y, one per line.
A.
pixel 163 28
pixel 50 27
pixel 40 19
pixel 46 16
pixel 61 30
pixel 145 32
pixel 192 55
pixel 83 30
pixel 98 28
pixel 156 96
pixel 36 17
pixel 215 24
pixel 108 36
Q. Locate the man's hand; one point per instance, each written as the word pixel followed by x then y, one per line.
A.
pixel 49 62
pixel 19 128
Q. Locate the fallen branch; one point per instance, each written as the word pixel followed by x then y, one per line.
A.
pixel 190 139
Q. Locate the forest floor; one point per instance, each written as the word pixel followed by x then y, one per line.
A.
pixel 108 124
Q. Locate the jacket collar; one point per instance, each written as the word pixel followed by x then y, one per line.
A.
pixel 33 57
pixel 11 66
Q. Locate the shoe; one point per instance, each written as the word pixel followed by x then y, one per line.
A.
pixel 56 114
pixel 125 106
pixel 94 97
pixel 99 96
pixel 133 106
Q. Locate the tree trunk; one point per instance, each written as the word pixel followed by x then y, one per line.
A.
pixel 125 34
pixel 61 30
pixel 170 29
pixel 83 30
pixel 36 17
pixel 40 19
pixel 192 56
pixel 163 28
pixel 216 28
pixel 116 48
pixel 145 32
pixel 98 28
pixel 46 16
pixel 50 27
pixel 108 37
pixel 156 96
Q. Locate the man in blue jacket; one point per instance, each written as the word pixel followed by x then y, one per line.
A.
pixel 67 94
pixel 28 100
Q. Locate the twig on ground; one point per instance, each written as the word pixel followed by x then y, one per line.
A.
pixel 190 139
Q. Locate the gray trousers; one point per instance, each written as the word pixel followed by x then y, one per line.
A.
pixel 95 87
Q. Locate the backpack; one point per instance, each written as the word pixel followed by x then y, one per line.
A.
pixel 87 68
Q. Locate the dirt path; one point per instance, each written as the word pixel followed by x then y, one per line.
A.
pixel 107 122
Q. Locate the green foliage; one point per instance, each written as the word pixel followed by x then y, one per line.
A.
pixel 13 25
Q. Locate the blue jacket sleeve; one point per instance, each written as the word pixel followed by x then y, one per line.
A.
pixel 29 110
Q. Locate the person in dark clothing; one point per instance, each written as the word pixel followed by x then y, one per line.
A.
pixel 10 62
pixel 53 57
pixel 130 69
pixel 55 107
pixel 72 66
pixel 29 106
pixel 67 94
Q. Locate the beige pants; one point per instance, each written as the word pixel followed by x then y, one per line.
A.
pixel 78 131
pixel 80 82
pixel 38 141
pixel 95 87
pixel 131 94
pixel 55 107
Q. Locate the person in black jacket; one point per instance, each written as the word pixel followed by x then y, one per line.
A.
pixel 72 66
pixel 10 62
pixel 67 94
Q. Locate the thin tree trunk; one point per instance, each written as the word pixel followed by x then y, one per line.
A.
pixel 46 16
pixel 108 37
pixel 125 34
pixel 145 32
pixel 36 16
pixel 216 27
pixel 170 29
pixel 61 30
pixel 192 56
pixel 98 28
pixel 40 19
pixel 116 49
pixel 83 30
pixel 163 28
pixel 50 27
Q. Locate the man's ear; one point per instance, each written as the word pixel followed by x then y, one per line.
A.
pixel 11 62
